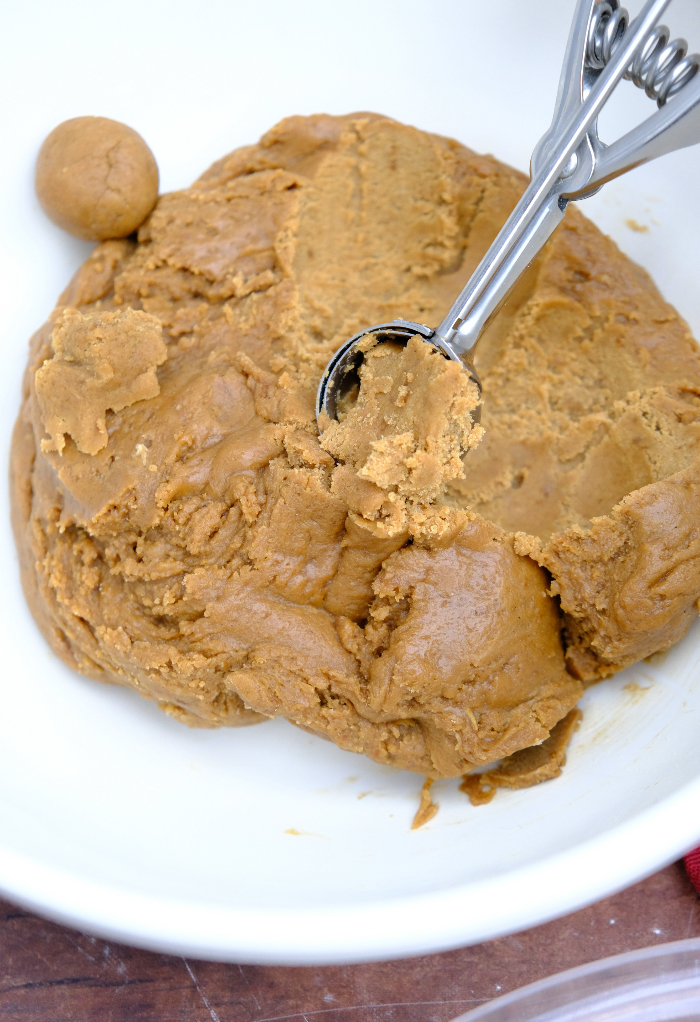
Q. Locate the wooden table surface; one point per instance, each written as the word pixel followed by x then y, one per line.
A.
pixel 49 973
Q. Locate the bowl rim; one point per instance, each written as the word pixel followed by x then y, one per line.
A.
pixel 377 929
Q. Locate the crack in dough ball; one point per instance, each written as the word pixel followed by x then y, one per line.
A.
pixel 96 178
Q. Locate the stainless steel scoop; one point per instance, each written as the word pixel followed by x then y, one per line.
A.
pixel 569 162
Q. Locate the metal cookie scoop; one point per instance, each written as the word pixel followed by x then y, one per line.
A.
pixel 569 162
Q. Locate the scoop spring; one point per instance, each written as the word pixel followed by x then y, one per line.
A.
pixel 660 68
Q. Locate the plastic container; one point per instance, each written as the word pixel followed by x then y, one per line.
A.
pixel 650 985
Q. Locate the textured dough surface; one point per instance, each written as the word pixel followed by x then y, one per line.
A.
pixel 207 556
pixel 99 362
pixel 405 434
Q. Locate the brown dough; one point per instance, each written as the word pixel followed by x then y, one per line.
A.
pixel 525 768
pixel 405 435
pixel 109 360
pixel 96 178
pixel 427 808
pixel 207 554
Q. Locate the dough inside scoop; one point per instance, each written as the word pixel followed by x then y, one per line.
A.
pixel 403 436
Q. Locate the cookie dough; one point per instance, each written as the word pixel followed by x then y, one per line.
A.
pixel 110 361
pixel 526 767
pixel 213 554
pixel 96 178
pixel 405 434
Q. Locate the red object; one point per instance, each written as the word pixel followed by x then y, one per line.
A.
pixel 692 867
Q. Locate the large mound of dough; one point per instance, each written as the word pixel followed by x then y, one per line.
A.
pixel 190 537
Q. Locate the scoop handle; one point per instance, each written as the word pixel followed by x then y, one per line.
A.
pixel 675 126
pixel 566 161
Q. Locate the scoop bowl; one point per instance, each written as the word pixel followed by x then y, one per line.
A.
pixel 341 373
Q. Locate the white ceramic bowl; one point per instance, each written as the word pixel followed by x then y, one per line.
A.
pixel 266 844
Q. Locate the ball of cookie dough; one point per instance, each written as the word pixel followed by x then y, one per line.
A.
pixel 96 178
